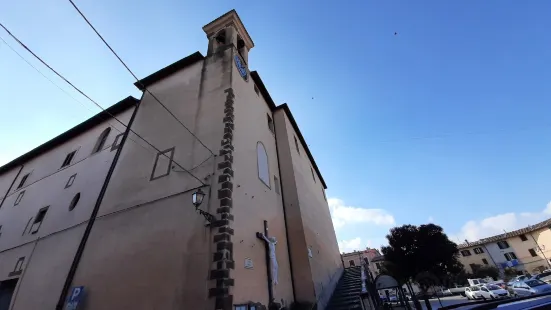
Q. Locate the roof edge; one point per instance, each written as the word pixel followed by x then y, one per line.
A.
pixel 115 109
pixel 285 108
pixel 169 70
pixel 266 95
pixel 514 233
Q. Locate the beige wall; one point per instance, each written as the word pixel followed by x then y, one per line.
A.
pixel 162 242
pixel 475 258
pixel 308 215
pixel 49 253
pixel 254 202
pixel 532 263
pixel 354 257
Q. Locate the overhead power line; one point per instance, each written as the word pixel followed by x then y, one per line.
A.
pixel 97 104
pixel 66 92
pixel 135 77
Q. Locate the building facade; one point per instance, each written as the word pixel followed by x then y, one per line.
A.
pixel 109 209
pixel 354 258
pixel 526 250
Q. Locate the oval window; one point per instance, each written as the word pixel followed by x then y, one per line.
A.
pixel 74 202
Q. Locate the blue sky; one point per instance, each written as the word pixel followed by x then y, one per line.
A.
pixel 447 121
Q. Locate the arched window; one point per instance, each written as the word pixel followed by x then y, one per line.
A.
pixel 101 140
pixel 74 202
pixel 262 160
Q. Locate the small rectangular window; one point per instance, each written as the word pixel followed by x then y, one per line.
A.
pixel 162 164
pixel 271 124
pixel 38 220
pixel 510 256
pixel 313 175
pixel 532 252
pixel 18 268
pixel 256 90
pixel 351 262
pixel 466 253
pixel 241 307
pixel 478 251
pixel 276 184
pixel 19 197
pixel 503 244
pixel 296 145
pixel 484 261
pixel 68 159
pixel 323 191
pixel 523 237
pixel 23 180
pixel 117 142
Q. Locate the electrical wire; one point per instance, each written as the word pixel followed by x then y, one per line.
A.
pixel 97 104
pixel 135 77
pixel 76 100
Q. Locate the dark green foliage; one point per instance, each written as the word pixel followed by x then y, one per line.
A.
pixel 420 251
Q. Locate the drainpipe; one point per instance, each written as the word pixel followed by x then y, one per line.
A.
pixel 11 185
pixel 546 260
pixel 87 231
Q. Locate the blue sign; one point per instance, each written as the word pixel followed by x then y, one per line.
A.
pixel 75 298
pixel 511 263
pixel 240 67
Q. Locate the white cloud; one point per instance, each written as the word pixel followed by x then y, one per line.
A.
pixel 350 245
pixel 477 229
pixel 343 214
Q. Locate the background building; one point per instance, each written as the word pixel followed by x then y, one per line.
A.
pixel 113 213
pixel 526 250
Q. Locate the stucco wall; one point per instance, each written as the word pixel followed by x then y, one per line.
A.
pixel 317 227
pixel 498 254
pixel 153 256
pixel 254 202
pixel 475 258
pixel 159 238
pixel 49 253
pixel 529 262
pixel 355 257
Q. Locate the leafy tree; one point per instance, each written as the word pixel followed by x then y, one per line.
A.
pixel 423 254
pixel 509 273
pixel 413 250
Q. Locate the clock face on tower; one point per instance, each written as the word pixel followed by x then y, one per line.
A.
pixel 241 67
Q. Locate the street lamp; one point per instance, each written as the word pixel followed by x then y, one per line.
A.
pixel 197 200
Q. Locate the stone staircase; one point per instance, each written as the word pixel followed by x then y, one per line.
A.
pixel 347 294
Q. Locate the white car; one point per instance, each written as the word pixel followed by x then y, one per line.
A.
pixel 491 291
pixel 472 292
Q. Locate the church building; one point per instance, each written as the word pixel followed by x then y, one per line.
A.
pixel 202 194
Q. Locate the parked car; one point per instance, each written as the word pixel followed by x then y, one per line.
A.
pixel 472 292
pixel 530 287
pixel 492 291
pixel 544 276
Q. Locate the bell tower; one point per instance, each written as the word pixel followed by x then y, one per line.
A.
pixel 228 29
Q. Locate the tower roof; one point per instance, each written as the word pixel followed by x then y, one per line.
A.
pixel 230 18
